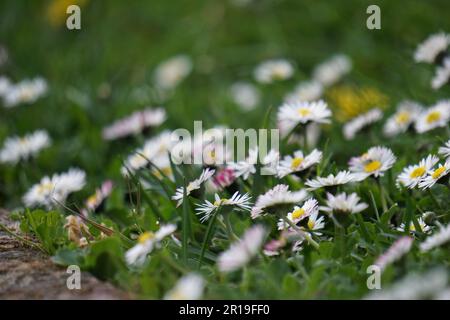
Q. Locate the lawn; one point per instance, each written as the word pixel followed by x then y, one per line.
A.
pixel 114 214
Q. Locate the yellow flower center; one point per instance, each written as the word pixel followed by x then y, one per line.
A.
pixel 304 112
pixel 438 172
pixel 417 172
pixel 433 116
pixel 92 199
pixel 310 224
pixel 296 162
pixel 219 202
pixel 45 187
pixel 412 227
pixel 298 213
pixel 372 166
pixel 402 117
pixel 144 237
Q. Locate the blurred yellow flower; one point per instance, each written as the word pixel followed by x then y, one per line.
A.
pixel 348 102
pixel 56 10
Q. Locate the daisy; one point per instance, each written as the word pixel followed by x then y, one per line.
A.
pixel 445 150
pixel 301 112
pixel 155 149
pixel 245 95
pixel 407 112
pixel 434 175
pixel 238 201
pixel 343 203
pixel 192 186
pixel 314 223
pixel 355 125
pixel 305 91
pixel 342 177
pixel 148 241
pixel 23 148
pixel 437 239
pixel 95 200
pixel 433 117
pixel 442 75
pixel 222 179
pixel 189 287
pixel 134 124
pixel 374 162
pixel 248 166
pixel 27 91
pixel 55 189
pixel 278 197
pixel 396 251
pixel 298 162
pixel 434 46
pixel 412 228
pixel 273 70
pixel 332 70
pixel 242 252
pixel 171 72
pixel 310 207
pixel 412 175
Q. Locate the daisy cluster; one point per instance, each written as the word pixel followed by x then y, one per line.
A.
pixel 305 199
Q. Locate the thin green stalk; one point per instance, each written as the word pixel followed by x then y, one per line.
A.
pixel 306 235
pixel 208 235
pixel 22 239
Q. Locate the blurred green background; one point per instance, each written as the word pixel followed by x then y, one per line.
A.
pixel 104 71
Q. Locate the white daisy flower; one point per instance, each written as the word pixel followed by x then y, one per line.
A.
pixel 311 206
pixel 278 196
pixel 407 112
pixel 237 201
pixel 242 252
pixel 430 49
pixel 342 177
pixel 23 148
pixel 273 70
pixel 314 223
pixel 343 203
pixel 27 91
pixel 445 150
pixel 437 239
pixel 305 91
pixel 292 114
pixel 396 251
pixel 245 95
pixel 374 162
pixel 54 190
pixel 171 72
pixel 248 166
pixel 155 149
pixel 147 241
pixel 442 75
pixel 352 127
pixel 434 175
pixel 192 186
pixel 189 287
pixel 134 124
pixel 433 117
pixel 299 162
pixel 412 228
pixel 412 175
pixel 332 70
pixel 96 199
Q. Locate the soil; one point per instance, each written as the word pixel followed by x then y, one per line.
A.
pixel 27 273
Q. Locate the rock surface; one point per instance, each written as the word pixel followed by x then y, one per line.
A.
pixel 26 273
